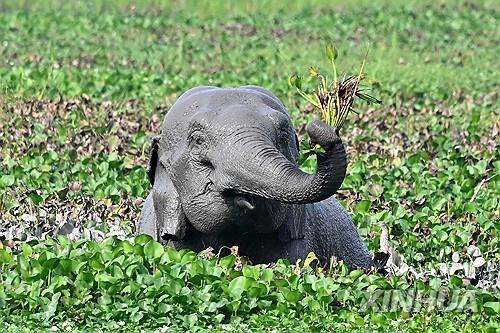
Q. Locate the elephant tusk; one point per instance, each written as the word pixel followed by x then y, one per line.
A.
pixel 243 202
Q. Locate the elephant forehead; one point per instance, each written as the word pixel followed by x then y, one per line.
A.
pixel 235 117
pixel 215 98
pixel 230 96
pixel 226 107
pixel 241 113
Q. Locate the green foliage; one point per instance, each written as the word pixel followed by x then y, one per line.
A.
pixel 139 281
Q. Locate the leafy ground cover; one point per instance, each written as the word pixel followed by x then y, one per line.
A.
pixel 84 87
pixel 81 283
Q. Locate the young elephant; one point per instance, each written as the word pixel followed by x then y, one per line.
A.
pixel 224 173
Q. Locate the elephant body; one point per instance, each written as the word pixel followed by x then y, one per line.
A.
pixel 224 173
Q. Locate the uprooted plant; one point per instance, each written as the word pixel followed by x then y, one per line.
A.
pixel 334 98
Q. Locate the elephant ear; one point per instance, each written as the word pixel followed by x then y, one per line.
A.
pixel 297 143
pixel 170 218
pixel 153 160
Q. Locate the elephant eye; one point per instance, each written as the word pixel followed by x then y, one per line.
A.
pixel 197 138
pixel 198 141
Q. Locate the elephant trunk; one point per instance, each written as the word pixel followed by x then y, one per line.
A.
pixel 265 172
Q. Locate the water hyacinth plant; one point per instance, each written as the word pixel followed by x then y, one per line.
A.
pixel 334 99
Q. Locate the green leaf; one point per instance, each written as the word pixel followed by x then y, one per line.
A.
pixel 171 255
pixel 295 81
pixel 27 250
pixel 318 150
pixel 313 304
pixel 251 272
pixel 441 235
pixel 368 98
pixel 127 247
pixel 292 296
pixel 137 316
pixel 153 250
pixel 52 305
pixel 493 306
pixel 7 180
pixel 5 257
pixel 97 265
pixel 238 285
pixel 363 206
pixel 36 198
pixel 356 274
pixel 435 283
pixel 66 265
pixel 23 264
pixel 227 262
pixel 376 190
pixel 378 318
pixel 267 275
pixel 438 204
pixel 142 239
pixel 343 295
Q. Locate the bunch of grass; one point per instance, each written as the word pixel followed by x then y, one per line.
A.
pixel 334 99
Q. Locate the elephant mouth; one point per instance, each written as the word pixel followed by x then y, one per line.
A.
pixel 242 200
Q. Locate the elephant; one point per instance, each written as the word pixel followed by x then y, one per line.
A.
pixel 224 172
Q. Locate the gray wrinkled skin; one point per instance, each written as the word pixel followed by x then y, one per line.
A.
pixel 224 173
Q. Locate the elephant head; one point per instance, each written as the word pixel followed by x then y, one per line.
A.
pixel 227 157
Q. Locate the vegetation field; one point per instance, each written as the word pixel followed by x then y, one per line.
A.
pixel 84 86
